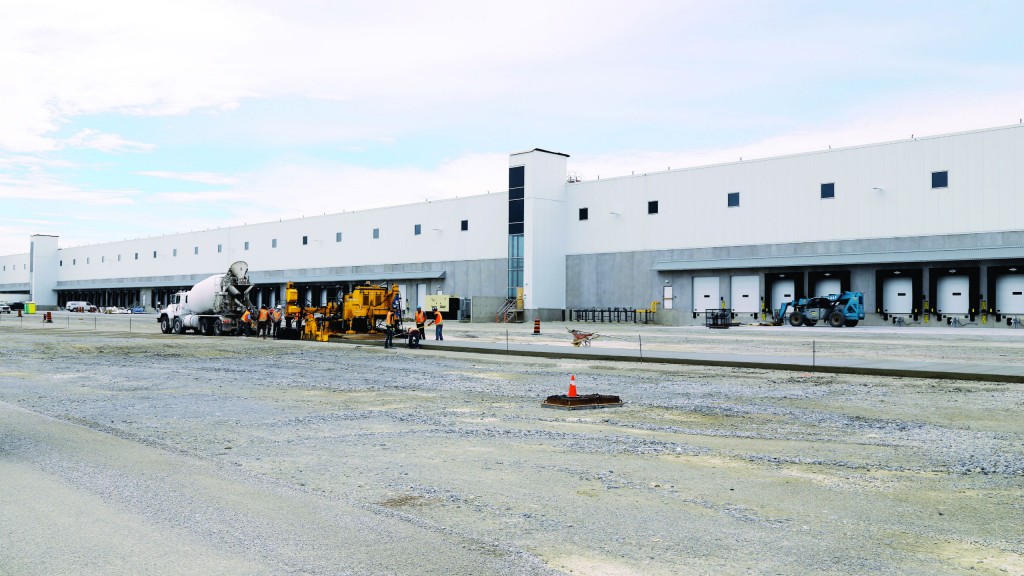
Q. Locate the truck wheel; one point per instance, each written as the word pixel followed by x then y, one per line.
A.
pixel 796 318
pixel 836 319
pixel 206 327
pixel 165 325
pixel 179 328
pixel 852 323
pixel 218 327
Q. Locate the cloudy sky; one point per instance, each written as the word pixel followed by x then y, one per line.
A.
pixel 124 119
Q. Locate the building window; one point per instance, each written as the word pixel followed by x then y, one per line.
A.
pixel 246 244
pixel 734 199
pixel 103 259
pixel 220 248
pixel 337 237
pixel 584 213
pixel 273 243
pixel 465 225
pixel 828 190
pixel 416 230
pixel 515 264
pixel 88 260
pixel 196 250
pixel 376 233
pixel 305 240
pixel 652 207
pixel 118 257
pixel 136 255
pixel 154 253
pixel 174 253
pixel 940 179
pixel 74 261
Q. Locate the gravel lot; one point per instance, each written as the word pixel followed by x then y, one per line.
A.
pixel 141 453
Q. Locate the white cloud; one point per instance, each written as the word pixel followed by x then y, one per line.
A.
pixel 64 60
pixel 200 177
pixel 104 142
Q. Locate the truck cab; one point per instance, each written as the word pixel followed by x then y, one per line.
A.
pixel 171 311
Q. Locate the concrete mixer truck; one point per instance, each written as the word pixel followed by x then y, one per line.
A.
pixel 212 307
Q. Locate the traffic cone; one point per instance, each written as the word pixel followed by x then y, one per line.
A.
pixel 572 386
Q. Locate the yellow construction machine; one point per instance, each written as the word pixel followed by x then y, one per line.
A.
pixel 359 312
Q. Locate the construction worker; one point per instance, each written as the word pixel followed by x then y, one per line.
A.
pixel 261 321
pixel 243 328
pixel 389 328
pixel 438 323
pixel 276 315
pixel 421 321
pixel 414 338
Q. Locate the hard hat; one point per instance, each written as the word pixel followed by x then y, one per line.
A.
pixel 278 306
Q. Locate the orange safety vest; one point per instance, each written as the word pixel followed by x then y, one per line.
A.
pixel 246 316
pixel 420 318
pixel 390 319
pixel 264 314
pixel 437 318
pixel 277 315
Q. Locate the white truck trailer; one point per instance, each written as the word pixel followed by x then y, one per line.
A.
pixel 212 307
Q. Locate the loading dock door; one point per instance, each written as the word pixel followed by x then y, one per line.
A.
pixel 705 293
pixel 954 294
pixel 898 296
pixel 746 292
pixel 827 286
pixel 782 291
pixel 1010 294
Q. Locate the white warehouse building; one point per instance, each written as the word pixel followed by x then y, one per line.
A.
pixel 927 227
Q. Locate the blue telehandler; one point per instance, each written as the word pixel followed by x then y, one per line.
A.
pixel 846 309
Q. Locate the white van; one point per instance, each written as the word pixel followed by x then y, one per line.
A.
pixel 80 306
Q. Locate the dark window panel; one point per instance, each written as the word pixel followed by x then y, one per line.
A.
pixel 516 177
pixel 940 179
pixel 828 190
pixel 734 199
pixel 584 213
pixel 515 210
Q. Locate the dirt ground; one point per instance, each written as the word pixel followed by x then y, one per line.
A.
pixel 126 451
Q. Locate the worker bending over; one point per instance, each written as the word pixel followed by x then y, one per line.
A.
pixel 243 327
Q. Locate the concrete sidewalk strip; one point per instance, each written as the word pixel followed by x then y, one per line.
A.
pixel 819 363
